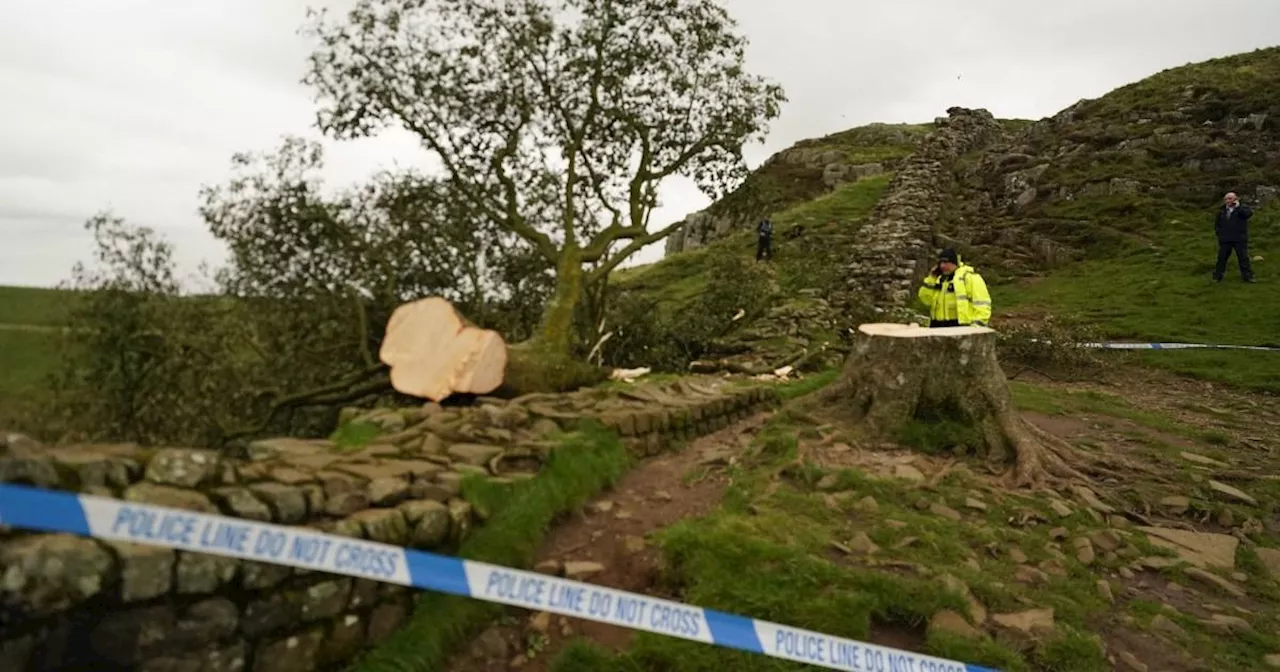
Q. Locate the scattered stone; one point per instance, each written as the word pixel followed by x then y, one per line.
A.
pixel 540 622
pixel 198 573
pixel 945 511
pixel 1202 549
pixel 1058 533
pixel 1132 662
pixel 829 482
pixel 1232 493
pixel 1104 591
pixel 1273 660
pixel 975 504
pixel 581 569
pixel 1084 551
pixel 1214 579
pixel 602 506
pixel 1059 507
pixel 977 612
pixel 867 504
pixel 1226 625
pixel 491 645
pixel 550 568
pixel 1125 573
pixel 1164 626
pixel 1054 567
pixel 662 496
pixel 909 473
pixel 1016 555
pixel 1031 621
pixel 862 544
pixel 1206 461
pixel 1107 540
pixel 950 622
pixel 1270 558
pixel 1029 574
pixel 633 544
pixel 895 524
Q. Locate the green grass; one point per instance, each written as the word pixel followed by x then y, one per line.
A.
pixel 1165 293
pixel 586 462
pixel 34 306
pixel 27 358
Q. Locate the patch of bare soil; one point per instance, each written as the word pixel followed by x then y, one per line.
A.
pixel 607 543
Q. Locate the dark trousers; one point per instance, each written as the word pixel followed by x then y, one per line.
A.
pixel 1241 248
pixel 764 247
pixel 943 323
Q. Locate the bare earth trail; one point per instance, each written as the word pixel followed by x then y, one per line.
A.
pixel 1193 432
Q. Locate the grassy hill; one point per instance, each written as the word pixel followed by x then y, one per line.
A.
pixel 28 316
pixel 1101 214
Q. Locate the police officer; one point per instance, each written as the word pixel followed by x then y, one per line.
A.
pixel 955 293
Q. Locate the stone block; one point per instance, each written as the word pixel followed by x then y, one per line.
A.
pixel 47 573
pixel 364 593
pixel 288 503
pixel 129 636
pixel 345 640
pixel 388 491
pixel 295 653
pixel 29 471
pixel 346 503
pixel 200 573
pixel 643 421
pixel 260 575
pixel 16 653
pixel 183 467
pixel 270 613
pixel 385 619
pixel 240 502
pixel 145 571
pixel 325 600
pixel 163 495
pixel 385 525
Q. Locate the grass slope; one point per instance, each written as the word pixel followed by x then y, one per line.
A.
pixel 787 519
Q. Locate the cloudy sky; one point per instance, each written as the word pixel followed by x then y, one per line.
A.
pixel 131 105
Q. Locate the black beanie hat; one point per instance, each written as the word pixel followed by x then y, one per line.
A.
pixel 950 255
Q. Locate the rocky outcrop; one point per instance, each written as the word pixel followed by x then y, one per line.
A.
pixel 895 246
pixel 803 172
pixel 75 603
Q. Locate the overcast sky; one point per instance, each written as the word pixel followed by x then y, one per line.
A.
pixel 131 105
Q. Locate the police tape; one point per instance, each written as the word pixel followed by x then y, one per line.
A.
pixel 115 520
pixel 1113 345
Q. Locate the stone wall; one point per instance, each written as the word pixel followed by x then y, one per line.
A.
pixel 896 245
pixel 71 603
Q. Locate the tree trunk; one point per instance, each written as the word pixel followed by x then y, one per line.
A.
pixel 897 374
pixel 556 333
pixel 434 352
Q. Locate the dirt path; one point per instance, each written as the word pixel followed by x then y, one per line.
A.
pixel 606 545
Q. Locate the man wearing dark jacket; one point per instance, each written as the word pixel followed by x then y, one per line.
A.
pixel 1232 227
pixel 764 239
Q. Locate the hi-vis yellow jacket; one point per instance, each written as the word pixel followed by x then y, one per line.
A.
pixel 963 298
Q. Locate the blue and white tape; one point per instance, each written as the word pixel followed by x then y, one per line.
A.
pixel 116 520
pixel 1174 346
pixel 1113 345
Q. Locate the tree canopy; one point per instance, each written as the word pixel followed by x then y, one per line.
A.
pixel 555 120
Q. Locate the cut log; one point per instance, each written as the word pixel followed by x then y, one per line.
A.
pixel 899 373
pixel 434 352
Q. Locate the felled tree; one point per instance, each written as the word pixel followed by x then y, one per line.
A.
pixel 555 120
pixel 899 373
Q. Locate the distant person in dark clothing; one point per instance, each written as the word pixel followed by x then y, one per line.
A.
pixel 1232 227
pixel 764 239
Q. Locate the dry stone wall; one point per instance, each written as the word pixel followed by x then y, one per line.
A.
pixel 78 604
pixel 894 248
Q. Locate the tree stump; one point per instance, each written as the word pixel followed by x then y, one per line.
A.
pixel 900 373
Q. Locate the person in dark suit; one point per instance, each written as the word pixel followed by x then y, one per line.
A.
pixel 1232 227
pixel 764 239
